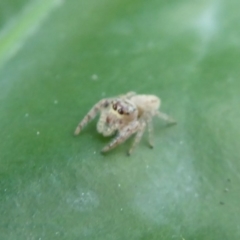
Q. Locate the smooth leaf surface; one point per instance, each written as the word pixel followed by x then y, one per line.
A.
pixel 58 58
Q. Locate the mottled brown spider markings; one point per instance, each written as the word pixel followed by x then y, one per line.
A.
pixel 125 115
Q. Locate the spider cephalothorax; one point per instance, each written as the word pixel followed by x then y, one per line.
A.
pixel 126 115
pixel 115 116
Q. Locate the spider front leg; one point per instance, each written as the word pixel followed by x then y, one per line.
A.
pixel 147 118
pixel 138 137
pixel 92 114
pixel 122 136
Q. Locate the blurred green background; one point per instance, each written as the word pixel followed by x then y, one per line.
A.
pixel 58 58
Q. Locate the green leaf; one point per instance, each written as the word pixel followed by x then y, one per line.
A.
pixel 58 58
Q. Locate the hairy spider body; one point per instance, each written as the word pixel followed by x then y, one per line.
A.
pixel 126 114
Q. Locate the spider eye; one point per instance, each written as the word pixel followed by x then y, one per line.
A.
pixel 115 106
pixel 106 104
pixel 120 111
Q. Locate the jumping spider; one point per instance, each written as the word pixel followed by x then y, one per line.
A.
pixel 125 114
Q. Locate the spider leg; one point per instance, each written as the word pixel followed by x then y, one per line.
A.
pixel 127 95
pixel 123 135
pixel 165 117
pixel 92 114
pixel 150 132
pixel 138 137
